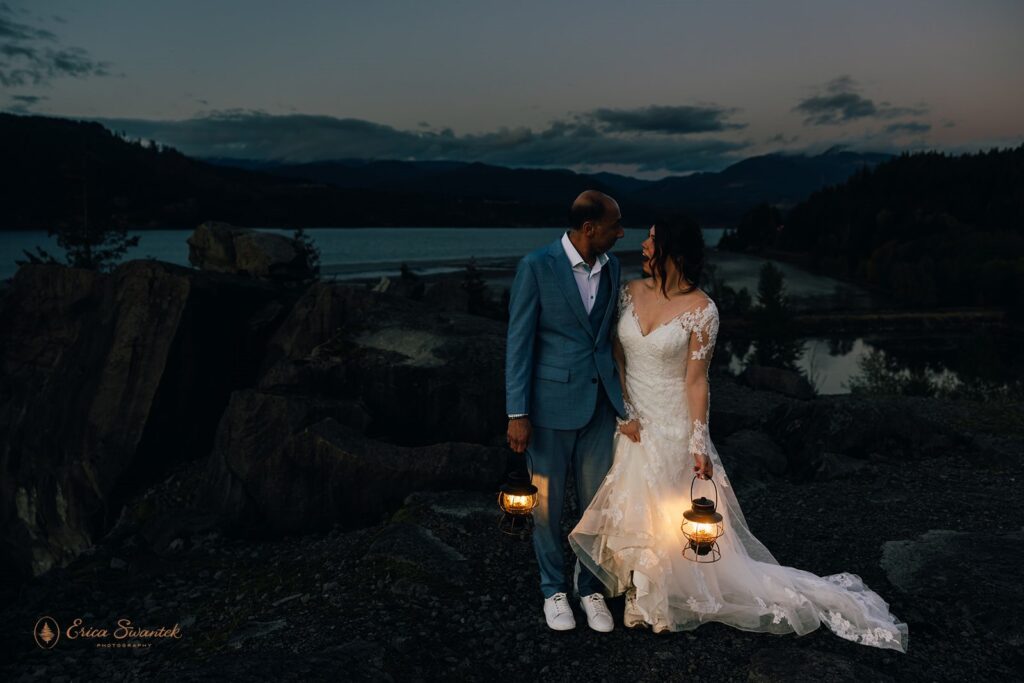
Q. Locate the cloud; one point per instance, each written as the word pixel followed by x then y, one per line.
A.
pixel 31 56
pixel 680 120
pixel 24 103
pixel 14 30
pixel 305 137
pixel 783 139
pixel 908 127
pixel 840 103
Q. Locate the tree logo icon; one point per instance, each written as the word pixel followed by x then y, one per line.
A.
pixel 46 632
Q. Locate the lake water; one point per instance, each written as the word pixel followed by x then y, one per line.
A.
pixel 360 253
pixel 348 253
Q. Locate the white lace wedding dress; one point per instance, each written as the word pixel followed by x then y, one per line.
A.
pixel 632 525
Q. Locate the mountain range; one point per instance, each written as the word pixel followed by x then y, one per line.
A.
pixel 723 196
pixel 59 171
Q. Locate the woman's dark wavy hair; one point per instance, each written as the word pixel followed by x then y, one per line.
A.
pixel 680 239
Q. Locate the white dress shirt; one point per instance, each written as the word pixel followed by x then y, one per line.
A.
pixel 587 279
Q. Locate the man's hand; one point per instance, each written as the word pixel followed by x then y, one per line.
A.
pixel 632 430
pixel 519 431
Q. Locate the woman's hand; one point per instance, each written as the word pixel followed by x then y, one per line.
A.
pixel 703 467
pixel 631 429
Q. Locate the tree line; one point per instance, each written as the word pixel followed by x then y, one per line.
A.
pixel 925 229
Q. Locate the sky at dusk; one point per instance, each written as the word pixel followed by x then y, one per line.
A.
pixel 644 88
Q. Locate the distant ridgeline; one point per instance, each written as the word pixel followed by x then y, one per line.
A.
pixel 56 173
pixel 927 228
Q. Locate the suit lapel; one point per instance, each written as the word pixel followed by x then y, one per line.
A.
pixel 613 296
pixel 562 270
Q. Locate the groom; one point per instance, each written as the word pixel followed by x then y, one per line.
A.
pixel 562 389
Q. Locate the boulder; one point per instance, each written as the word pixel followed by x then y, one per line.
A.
pixel 424 376
pixel 875 428
pixel 966 582
pixel 224 248
pixel 838 466
pixel 751 459
pixel 735 406
pixel 1000 450
pixel 286 464
pixel 106 380
pixel 785 382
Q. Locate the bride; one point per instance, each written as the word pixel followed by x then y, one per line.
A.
pixel 630 537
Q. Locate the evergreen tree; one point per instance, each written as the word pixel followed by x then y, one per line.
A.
pixel 756 230
pixel 307 246
pixel 776 344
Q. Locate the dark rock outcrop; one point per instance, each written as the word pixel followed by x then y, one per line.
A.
pixel 876 428
pixel 785 382
pixel 751 459
pixel 105 381
pixel 223 248
pixel 963 581
pixel 735 406
pixel 286 464
pixel 424 376
pixel 109 380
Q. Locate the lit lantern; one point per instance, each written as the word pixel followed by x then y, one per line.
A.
pixel 702 526
pixel 517 498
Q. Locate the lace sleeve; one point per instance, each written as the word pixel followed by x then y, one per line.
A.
pixel 703 335
pixel 620 356
pixel 623 300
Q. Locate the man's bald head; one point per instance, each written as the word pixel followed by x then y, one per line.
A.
pixel 596 224
pixel 591 205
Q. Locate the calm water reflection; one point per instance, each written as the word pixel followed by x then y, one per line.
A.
pixel 949 361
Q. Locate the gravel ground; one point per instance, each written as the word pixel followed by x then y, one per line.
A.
pixel 397 602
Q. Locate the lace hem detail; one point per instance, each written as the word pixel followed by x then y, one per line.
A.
pixel 843 628
pixel 777 610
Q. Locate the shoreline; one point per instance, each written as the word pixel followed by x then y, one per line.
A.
pixel 821 322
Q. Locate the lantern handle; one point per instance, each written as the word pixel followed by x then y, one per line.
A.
pixel 694 480
pixel 528 462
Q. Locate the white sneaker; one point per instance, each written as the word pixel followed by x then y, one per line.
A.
pixel 632 617
pixel 598 616
pixel 558 612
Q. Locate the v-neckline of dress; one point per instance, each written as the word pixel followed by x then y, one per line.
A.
pixel 636 318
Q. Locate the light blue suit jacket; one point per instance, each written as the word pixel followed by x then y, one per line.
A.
pixel 553 359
